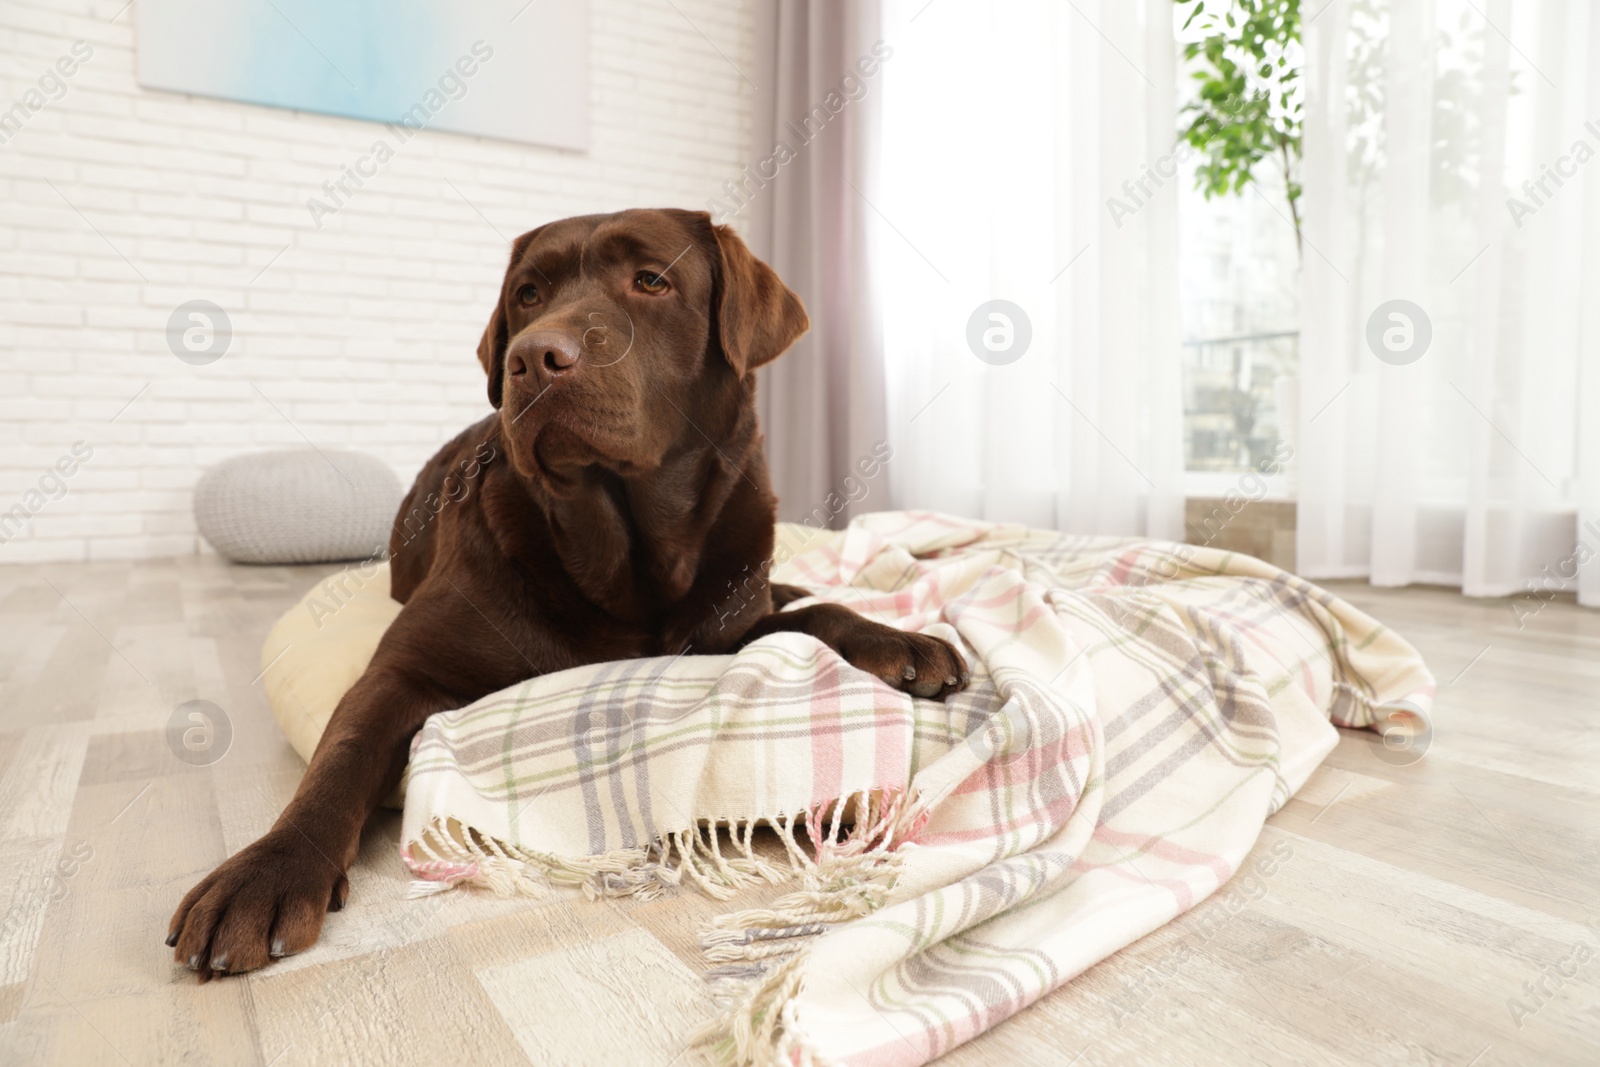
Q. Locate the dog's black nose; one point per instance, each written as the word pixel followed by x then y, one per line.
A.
pixel 547 353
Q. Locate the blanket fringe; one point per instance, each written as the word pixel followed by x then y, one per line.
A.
pixel 848 871
pixel 760 1029
pixel 762 952
pixel 717 857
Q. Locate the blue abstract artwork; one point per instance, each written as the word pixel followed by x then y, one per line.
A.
pixel 508 69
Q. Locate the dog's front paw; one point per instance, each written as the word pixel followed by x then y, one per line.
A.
pixel 918 664
pixel 268 901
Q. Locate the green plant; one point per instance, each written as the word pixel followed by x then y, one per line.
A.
pixel 1248 108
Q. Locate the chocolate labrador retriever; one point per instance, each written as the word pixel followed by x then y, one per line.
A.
pixel 603 512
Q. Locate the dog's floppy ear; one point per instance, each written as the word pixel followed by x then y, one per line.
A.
pixel 757 316
pixel 492 348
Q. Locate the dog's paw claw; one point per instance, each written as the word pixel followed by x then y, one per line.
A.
pixel 925 666
pixel 267 902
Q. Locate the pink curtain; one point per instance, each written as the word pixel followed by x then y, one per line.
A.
pixel 803 205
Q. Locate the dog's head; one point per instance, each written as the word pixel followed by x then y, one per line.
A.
pixel 618 337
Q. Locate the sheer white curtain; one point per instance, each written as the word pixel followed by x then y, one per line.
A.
pixel 1007 127
pixel 1474 462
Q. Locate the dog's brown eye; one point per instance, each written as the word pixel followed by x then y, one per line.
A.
pixel 528 294
pixel 650 282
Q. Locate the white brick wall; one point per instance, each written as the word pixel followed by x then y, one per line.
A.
pixel 362 332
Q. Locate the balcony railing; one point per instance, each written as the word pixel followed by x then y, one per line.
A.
pixel 1231 398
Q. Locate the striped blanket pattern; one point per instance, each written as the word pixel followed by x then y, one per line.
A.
pixel 1137 710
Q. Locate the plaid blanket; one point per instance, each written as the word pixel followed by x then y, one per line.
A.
pixel 1137 709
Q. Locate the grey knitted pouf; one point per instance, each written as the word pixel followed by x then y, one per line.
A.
pixel 301 506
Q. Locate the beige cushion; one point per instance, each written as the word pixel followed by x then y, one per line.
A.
pixel 794 538
pixel 320 646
